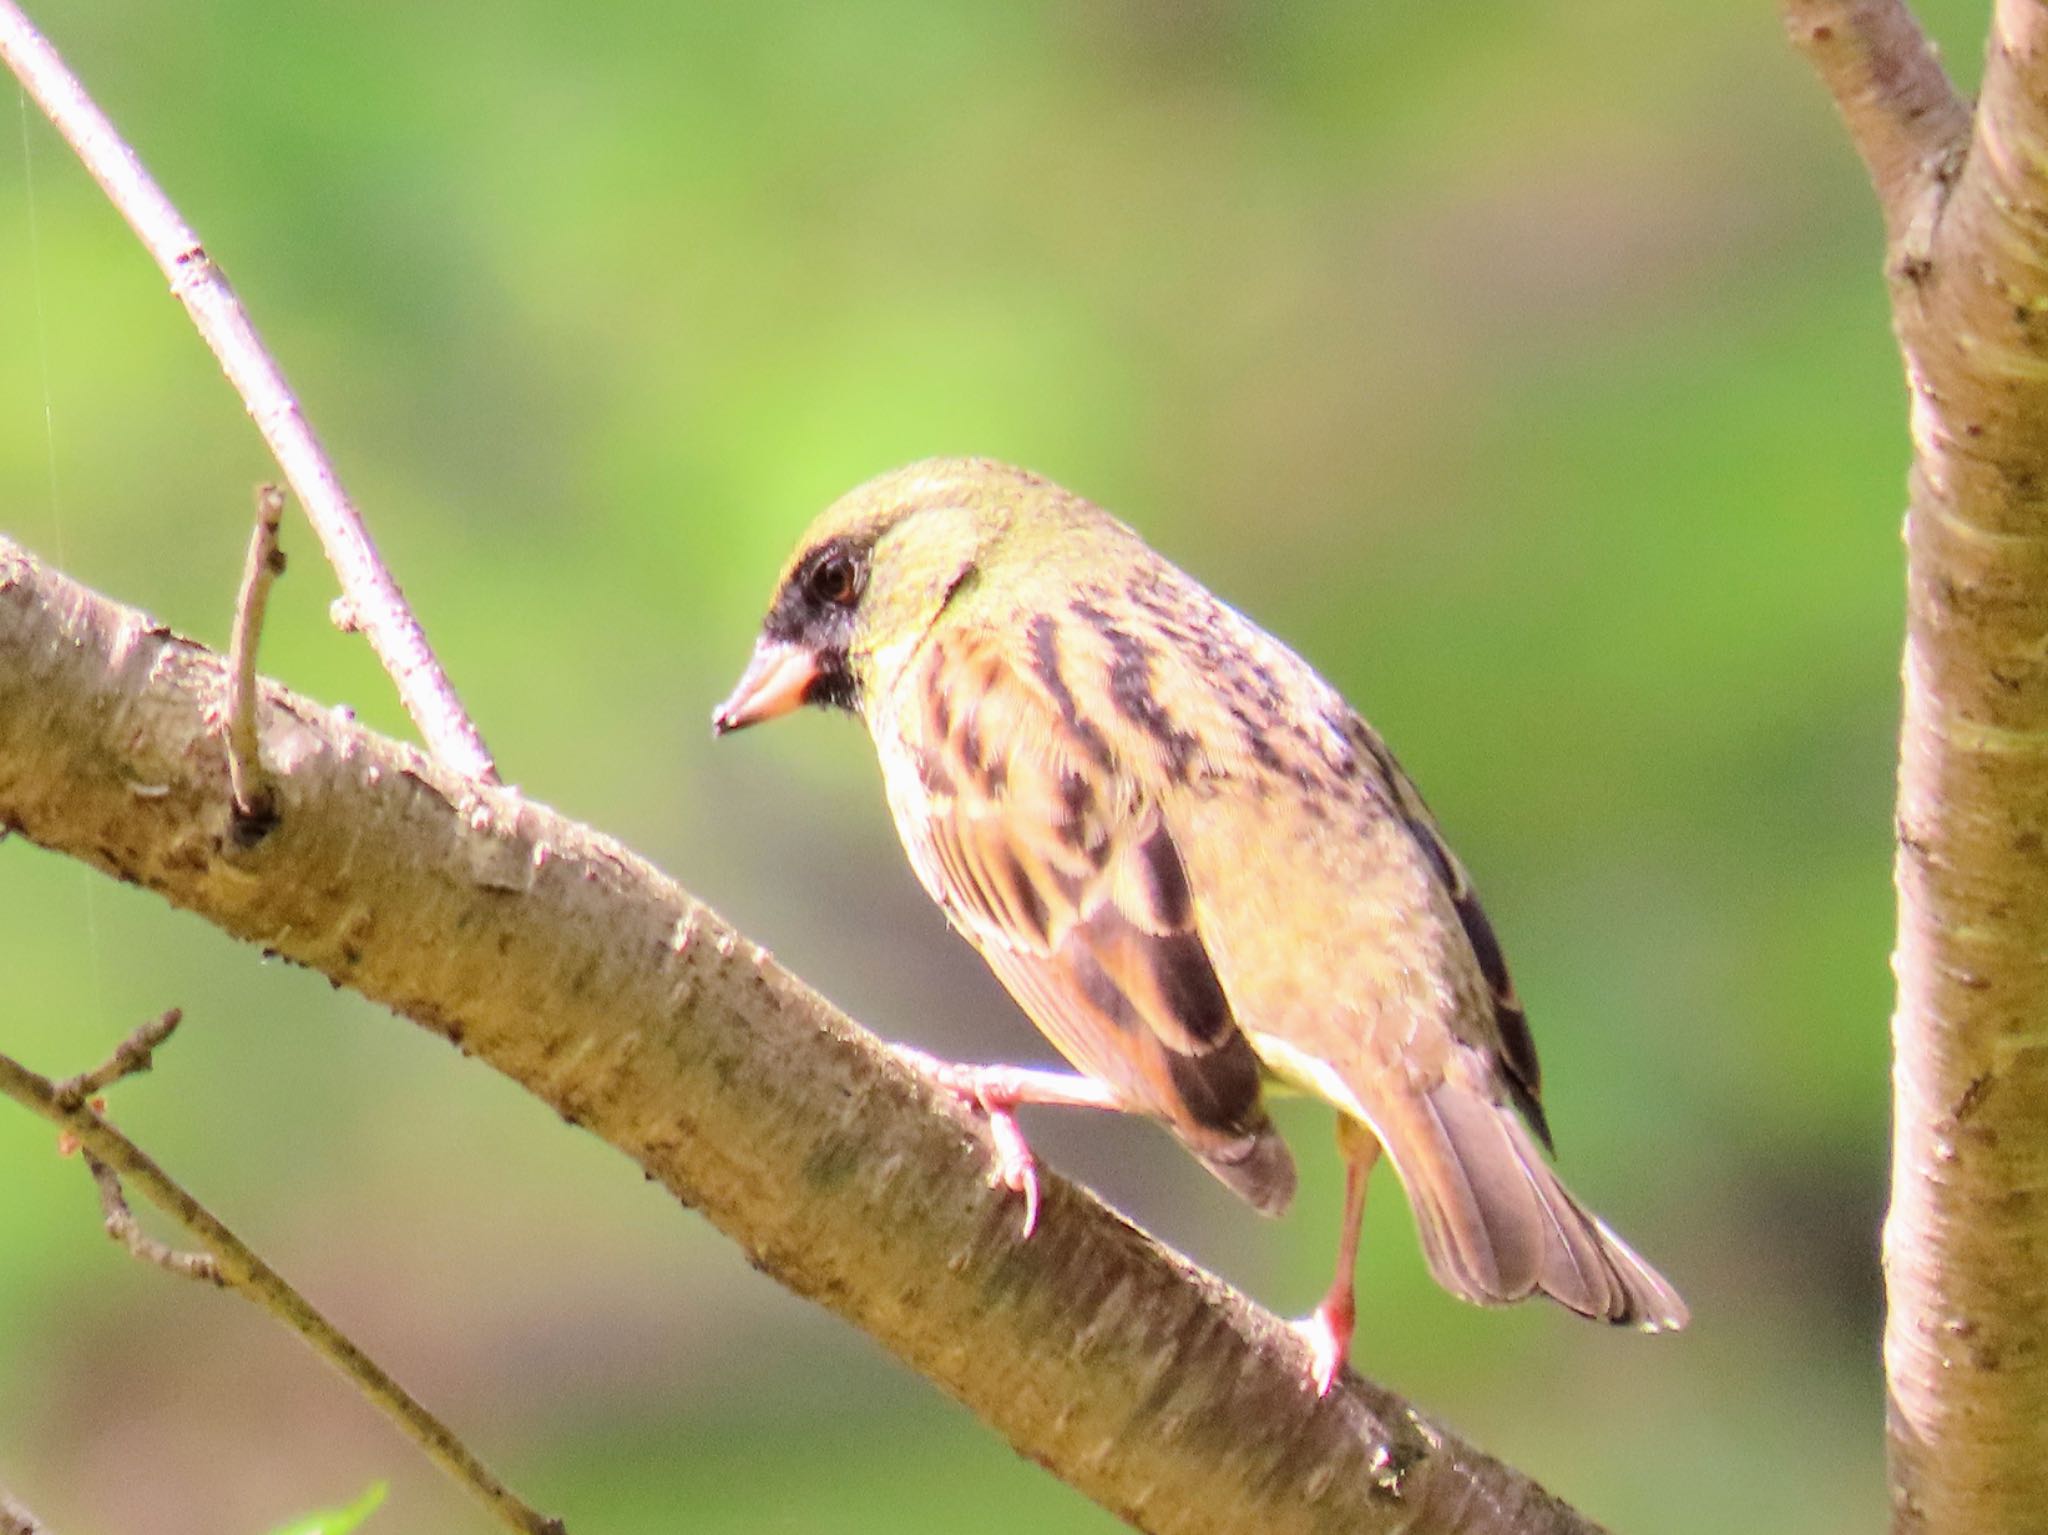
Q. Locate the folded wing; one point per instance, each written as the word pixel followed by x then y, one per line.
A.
pixel 1058 867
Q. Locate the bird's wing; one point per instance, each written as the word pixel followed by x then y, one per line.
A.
pixel 1058 867
pixel 1514 1046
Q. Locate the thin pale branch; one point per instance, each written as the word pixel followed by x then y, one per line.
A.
pixel 570 965
pixel 1905 119
pixel 255 806
pixel 378 607
pixel 237 1267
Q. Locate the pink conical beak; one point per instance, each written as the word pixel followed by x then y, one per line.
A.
pixel 774 682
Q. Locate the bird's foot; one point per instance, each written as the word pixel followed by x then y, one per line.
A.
pixel 1327 1331
pixel 996 1091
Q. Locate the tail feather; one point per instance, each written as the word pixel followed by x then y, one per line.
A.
pixel 1497 1225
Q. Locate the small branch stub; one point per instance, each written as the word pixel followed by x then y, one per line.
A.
pixel 1903 116
pixel 255 801
pixel 136 1053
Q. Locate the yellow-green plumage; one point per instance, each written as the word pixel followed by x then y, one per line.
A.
pixel 1191 862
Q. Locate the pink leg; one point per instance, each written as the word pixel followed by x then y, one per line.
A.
pixel 1328 1327
pixel 997 1091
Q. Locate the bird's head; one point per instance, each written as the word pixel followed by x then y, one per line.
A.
pixel 871 576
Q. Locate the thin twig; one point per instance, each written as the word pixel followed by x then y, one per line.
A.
pixel 123 1227
pixel 16 1519
pixel 241 1269
pixel 1903 116
pixel 135 1053
pixel 255 803
pixel 374 598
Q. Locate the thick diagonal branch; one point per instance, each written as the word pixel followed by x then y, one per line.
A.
pixel 578 970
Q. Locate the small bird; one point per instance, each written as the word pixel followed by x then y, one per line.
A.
pixel 1195 867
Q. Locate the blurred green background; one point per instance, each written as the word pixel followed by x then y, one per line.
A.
pixel 1526 365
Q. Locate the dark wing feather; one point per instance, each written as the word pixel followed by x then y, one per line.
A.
pixel 1066 879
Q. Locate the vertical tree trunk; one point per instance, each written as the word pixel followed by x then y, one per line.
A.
pixel 1966 1242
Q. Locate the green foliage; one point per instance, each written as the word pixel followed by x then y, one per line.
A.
pixel 339 1521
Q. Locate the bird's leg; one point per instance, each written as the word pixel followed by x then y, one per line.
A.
pixel 1328 1327
pixel 997 1091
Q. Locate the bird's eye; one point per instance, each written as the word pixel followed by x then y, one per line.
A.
pixel 836 579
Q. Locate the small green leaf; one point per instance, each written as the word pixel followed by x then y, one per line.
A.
pixel 339 1521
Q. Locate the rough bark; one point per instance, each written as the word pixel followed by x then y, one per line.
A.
pixel 569 964
pixel 1966 1241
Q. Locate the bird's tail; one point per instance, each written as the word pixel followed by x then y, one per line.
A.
pixel 1497 1225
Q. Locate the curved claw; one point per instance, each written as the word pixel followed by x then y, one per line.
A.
pixel 996 1091
pixel 1016 1168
